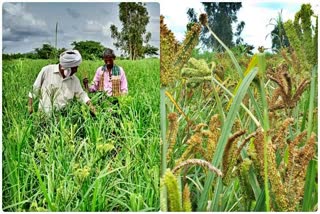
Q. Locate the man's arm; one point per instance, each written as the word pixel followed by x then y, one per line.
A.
pixel 83 97
pixel 123 83
pixel 92 108
pixel 30 108
pixel 35 89
pixel 94 86
pixel 85 83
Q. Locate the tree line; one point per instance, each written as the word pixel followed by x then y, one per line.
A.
pixel 132 39
pixel 221 17
pixel 90 50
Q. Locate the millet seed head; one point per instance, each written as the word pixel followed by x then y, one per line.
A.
pixel 203 19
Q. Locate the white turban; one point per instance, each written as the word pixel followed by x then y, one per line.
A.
pixel 70 59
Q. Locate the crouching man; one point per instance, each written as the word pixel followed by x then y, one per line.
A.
pixel 57 84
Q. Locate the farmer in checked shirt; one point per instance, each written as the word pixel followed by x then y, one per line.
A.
pixel 109 78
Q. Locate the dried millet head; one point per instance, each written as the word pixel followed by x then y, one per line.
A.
pixel 203 19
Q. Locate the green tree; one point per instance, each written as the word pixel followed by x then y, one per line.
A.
pixel 221 16
pixel 89 50
pixel 47 51
pixel 31 55
pixel 240 27
pixel 61 50
pixel 150 50
pixel 278 34
pixel 133 37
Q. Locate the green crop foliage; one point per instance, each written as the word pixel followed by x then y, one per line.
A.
pixel 255 124
pixel 303 36
pixel 73 162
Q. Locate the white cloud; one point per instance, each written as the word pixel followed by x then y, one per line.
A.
pixel 17 17
pixel 6 32
pixel 175 13
pixel 256 24
pixel 19 24
pixel 154 19
pixel 258 21
pixel 106 29
pixel 94 26
pixel 179 36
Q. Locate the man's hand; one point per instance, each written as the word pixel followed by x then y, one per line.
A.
pixel 30 108
pixel 85 83
pixel 92 109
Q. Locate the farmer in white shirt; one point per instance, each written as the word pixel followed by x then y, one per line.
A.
pixel 56 84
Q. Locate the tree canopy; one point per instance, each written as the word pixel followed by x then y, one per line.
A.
pixel 47 51
pixel 278 35
pixel 221 16
pixel 89 50
pixel 133 38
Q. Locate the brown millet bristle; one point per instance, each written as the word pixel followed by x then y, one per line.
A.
pixel 198 162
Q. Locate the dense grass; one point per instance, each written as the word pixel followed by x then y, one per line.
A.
pixel 73 162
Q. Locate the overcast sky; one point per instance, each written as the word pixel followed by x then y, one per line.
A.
pixel 255 14
pixel 27 26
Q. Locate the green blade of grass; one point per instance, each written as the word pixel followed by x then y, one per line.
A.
pixel 97 180
pixel 309 186
pixel 95 194
pixel 225 133
pixel 260 204
pixel 215 205
pixel 305 112
pixel 163 129
pixel 42 186
pixel 255 120
pixel 238 69
pixel 219 104
pixel 311 101
pixel 253 63
pixel 15 205
pixel 254 183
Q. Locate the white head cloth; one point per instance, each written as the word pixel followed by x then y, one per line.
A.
pixel 70 59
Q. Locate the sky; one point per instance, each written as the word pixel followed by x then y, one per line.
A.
pixel 28 25
pixel 255 14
